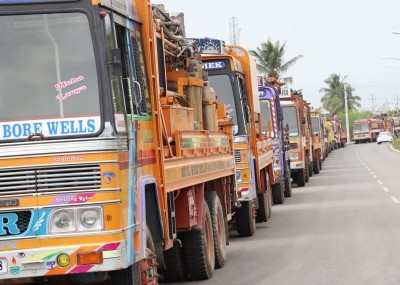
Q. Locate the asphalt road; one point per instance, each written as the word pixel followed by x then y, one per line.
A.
pixel 343 227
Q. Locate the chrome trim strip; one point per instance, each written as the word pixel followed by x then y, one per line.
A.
pixel 240 139
pixel 113 253
pixel 81 204
pixel 62 147
pixel 75 234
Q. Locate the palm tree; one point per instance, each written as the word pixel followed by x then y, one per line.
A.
pixel 270 62
pixel 333 98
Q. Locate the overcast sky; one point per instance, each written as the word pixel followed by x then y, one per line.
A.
pixel 334 36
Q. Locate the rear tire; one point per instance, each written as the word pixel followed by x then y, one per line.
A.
pixel 218 225
pixel 301 177
pixel 307 174
pixel 262 211
pixel 316 165
pixel 278 192
pixel 288 187
pixel 245 221
pixel 310 169
pixel 198 249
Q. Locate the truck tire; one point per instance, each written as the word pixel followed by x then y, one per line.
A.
pixel 138 273
pixel 245 221
pixel 263 205
pixel 310 169
pixel 301 177
pixel 316 165
pixel 278 192
pixel 198 249
pixel 307 174
pixel 288 187
pixel 218 225
pixel 175 270
pixel 269 196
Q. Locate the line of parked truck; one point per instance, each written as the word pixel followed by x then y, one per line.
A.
pixel 164 144
pixel 367 130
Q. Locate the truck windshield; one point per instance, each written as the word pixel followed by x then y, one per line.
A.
pixel 224 92
pixel 360 128
pixel 290 119
pixel 48 76
pixel 265 106
pixel 315 125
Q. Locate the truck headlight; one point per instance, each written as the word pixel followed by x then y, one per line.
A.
pixel 78 219
pixel 89 219
pixel 238 176
pixel 62 221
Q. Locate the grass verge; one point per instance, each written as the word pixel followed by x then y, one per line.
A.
pixel 396 143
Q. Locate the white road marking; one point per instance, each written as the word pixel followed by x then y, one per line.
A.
pixel 394 199
pixel 385 189
pixel 376 177
pixel 379 182
pixel 371 172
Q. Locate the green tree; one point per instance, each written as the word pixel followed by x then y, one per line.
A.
pixel 270 62
pixel 333 98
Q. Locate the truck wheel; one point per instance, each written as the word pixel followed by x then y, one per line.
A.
pixel 269 196
pixel 175 270
pixel 198 248
pixel 310 169
pixel 245 221
pixel 288 187
pixel 301 177
pixel 262 211
pixel 278 192
pixel 218 225
pixel 140 273
pixel 307 174
pixel 316 165
pixel 320 164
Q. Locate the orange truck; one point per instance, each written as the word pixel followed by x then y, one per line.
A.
pixel 361 131
pixel 297 121
pixel 232 73
pixel 319 143
pixel 340 136
pixel 376 125
pixel 117 160
pixel 392 125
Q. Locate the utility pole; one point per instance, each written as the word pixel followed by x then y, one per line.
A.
pixel 387 107
pixel 373 106
pixel 234 30
pixel 397 105
pixel 346 110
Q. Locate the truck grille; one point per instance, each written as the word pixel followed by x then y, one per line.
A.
pixel 24 217
pixel 237 156
pixel 65 178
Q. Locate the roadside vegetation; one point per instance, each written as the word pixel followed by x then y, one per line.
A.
pixel 269 57
pixel 396 143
